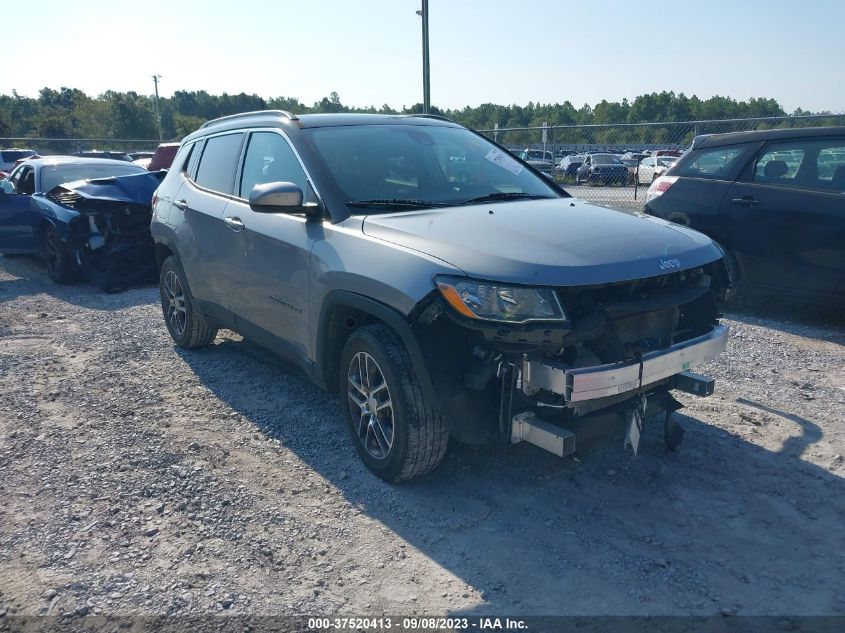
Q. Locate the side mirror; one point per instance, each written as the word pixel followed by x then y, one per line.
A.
pixel 281 197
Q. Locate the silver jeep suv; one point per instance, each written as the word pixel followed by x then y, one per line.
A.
pixel 439 285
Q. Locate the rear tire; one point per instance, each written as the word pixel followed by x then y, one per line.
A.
pixel 61 264
pixel 394 427
pixel 187 327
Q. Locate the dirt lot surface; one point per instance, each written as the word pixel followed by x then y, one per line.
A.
pixel 138 478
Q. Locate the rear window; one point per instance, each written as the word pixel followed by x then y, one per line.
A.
pixel 710 163
pixel 219 162
pixel 11 155
pixel 605 159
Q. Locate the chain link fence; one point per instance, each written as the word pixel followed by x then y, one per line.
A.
pixel 645 150
pixel 74 146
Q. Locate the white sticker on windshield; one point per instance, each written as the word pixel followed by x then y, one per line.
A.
pixel 504 161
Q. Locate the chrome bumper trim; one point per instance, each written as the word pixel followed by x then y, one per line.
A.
pixel 588 383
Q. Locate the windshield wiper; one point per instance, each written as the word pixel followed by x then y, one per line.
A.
pixel 395 202
pixel 500 195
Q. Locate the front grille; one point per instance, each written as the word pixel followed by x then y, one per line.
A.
pixel 583 300
pixel 649 325
pixel 617 322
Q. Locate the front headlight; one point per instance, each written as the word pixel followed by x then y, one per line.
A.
pixel 497 302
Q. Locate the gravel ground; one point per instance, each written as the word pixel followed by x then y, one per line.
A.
pixel 142 479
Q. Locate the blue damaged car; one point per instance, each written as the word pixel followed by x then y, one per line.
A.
pixel 87 217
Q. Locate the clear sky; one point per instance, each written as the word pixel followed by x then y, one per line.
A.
pixel 499 51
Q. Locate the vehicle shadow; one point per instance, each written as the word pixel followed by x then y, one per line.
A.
pixel 723 525
pixel 30 277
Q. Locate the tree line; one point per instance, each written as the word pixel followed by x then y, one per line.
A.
pixel 70 113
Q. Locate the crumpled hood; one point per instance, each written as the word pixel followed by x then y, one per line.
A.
pixel 137 188
pixel 559 242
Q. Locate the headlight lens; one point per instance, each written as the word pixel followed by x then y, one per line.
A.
pixel 498 302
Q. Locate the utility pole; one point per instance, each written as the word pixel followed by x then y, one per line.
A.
pixel 423 13
pixel 158 108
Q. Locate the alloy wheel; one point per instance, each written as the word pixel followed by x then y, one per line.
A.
pixel 175 309
pixel 52 252
pixel 370 405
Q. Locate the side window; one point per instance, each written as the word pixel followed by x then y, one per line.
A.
pixel 16 176
pixel 711 163
pixel 269 158
pixel 808 163
pixel 831 166
pixel 779 163
pixel 26 183
pixel 218 163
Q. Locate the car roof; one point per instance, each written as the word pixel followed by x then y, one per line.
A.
pixel 281 118
pixel 73 160
pixel 733 138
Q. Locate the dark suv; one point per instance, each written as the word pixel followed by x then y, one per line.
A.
pixel 440 286
pixel 775 202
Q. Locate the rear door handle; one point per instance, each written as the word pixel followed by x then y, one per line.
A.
pixel 746 201
pixel 234 223
pixel 181 204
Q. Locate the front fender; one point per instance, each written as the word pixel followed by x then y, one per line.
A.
pixel 59 217
pixel 398 322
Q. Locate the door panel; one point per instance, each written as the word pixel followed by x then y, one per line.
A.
pixel 204 242
pixel 271 291
pixel 16 232
pixel 788 237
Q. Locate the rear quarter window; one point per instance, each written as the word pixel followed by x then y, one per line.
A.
pixel 219 162
pixel 717 163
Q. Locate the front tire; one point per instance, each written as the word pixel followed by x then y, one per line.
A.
pixel 395 429
pixel 187 327
pixel 732 268
pixel 61 265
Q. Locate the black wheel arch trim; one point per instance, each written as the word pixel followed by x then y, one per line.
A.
pixel 386 314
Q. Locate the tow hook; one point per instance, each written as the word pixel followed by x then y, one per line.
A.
pixel 635 417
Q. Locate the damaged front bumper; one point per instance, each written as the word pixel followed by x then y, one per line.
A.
pixel 624 384
pixel 590 383
pixel 110 232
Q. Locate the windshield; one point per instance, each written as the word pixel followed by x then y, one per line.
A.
pixel 667 161
pixel 605 159
pixel 426 164
pixel 54 175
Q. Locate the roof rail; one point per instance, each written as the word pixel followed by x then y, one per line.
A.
pixel 284 113
pixel 432 116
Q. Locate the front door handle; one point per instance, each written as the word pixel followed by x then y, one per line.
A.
pixel 746 201
pixel 234 223
pixel 181 204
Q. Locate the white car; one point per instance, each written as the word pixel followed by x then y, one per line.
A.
pixel 651 167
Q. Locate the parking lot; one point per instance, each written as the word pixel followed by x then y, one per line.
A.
pixel 615 197
pixel 142 479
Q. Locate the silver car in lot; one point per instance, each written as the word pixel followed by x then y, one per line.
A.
pixel 439 285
